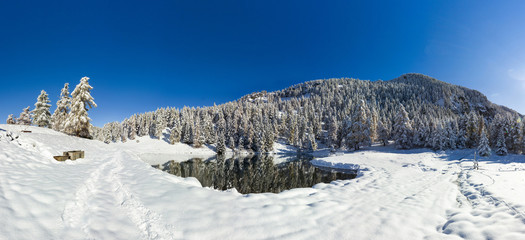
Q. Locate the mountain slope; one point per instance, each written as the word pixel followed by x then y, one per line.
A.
pixel 322 111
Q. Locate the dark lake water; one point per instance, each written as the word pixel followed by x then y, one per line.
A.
pixel 255 174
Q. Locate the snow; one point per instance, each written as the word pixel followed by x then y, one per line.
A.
pixel 154 151
pixel 113 194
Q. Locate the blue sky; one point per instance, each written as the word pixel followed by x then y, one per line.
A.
pixel 141 55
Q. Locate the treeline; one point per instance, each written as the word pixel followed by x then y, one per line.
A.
pixel 70 116
pixel 413 110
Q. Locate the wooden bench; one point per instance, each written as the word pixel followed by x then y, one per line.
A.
pixel 72 155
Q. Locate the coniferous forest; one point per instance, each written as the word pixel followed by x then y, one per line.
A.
pixel 413 111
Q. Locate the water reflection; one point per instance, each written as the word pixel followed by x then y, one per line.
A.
pixel 254 174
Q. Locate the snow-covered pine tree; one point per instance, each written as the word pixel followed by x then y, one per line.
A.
pixel 160 124
pixel 374 118
pixel 501 147
pixel 25 117
pixel 292 130
pixel 452 134
pixel 198 139
pixel 383 133
pixel 63 105
pixel 360 128
pixel 483 146
pixel 221 145
pixel 78 122
pixel 402 133
pixel 312 144
pixel 333 129
pixel 462 139
pixel 472 129
pixel 41 114
pixel 516 133
pixel 10 119
pixel 174 135
pixel 268 139
pixel 420 131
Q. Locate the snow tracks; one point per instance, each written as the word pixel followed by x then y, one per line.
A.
pixel 479 210
pixel 104 207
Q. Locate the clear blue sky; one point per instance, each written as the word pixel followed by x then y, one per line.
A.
pixel 141 55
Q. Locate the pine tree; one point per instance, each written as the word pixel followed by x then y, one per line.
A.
pixel 63 106
pixel 462 139
pixel 174 135
pixel 402 130
pixel 383 133
pixel 221 145
pixel 160 124
pixel 10 119
pixel 41 114
pixel 483 146
pixel 198 139
pixel 472 131
pixel 452 135
pixel 360 128
pixel 501 147
pixel 333 129
pixel 312 144
pixel 25 117
pixel 78 122
pixel 268 139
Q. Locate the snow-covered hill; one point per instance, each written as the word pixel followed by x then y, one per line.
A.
pixel 113 194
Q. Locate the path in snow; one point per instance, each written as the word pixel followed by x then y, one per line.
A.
pixel 103 194
pixel 478 210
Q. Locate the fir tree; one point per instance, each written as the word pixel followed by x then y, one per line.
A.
pixel 41 114
pixel 25 117
pixel 10 119
pixel 472 131
pixel 61 112
pixel 268 139
pixel 501 147
pixel 221 145
pixel 360 128
pixel 383 133
pixel 78 122
pixel 333 133
pixel 402 130
pixel 483 146
pixel 174 135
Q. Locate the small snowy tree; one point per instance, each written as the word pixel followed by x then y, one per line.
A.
pixel 483 146
pixel 63 105
pixel 41 114
pixel 78 121
pixel 25 117
pixel 501 147
pixel 10 119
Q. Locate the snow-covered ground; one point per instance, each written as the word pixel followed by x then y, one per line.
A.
pixel 113 194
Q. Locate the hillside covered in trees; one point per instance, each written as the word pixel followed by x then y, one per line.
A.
pixel 413 110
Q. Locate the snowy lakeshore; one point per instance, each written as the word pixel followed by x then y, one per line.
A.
pixel 113 194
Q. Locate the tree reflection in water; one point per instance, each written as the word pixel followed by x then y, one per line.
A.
pixel 254 174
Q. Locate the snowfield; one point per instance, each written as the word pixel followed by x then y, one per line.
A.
pixel 113 194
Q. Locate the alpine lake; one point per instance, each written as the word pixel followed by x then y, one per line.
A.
pixel 256 173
